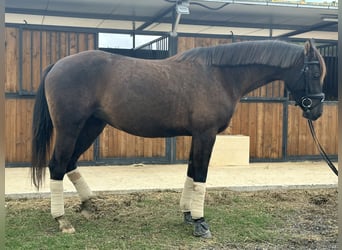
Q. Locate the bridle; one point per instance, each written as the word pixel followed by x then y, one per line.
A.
pixel 305 98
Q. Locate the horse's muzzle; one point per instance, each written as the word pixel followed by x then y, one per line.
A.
pixel 312 105
pixel 311 116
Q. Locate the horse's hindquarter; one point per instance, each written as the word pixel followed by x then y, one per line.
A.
pixel 72 86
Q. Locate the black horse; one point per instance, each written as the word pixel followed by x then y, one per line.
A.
pixel 194 93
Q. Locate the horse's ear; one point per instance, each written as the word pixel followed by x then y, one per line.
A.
pixel 309 47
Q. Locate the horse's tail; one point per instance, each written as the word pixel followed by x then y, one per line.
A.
pixel 42 129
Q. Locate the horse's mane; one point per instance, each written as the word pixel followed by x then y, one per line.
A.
pixel 272 53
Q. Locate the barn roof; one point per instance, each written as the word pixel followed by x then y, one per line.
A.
pixel 286 18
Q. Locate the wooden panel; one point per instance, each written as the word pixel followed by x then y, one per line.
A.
pixel 183 145
pixel 18 120
pixel 300 142
pixel 262 122
pixel 273 89
pixel 36 66
pixel 26 60
pixel 186 43
pixel 41 48
pixel 18 130
pixel 11 59
pixel 88 155
pixel 73 47
pixel 118 144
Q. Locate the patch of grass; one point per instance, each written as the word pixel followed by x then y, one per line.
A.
pixel 153 221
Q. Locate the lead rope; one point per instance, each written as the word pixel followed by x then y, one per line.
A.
pixel 320 148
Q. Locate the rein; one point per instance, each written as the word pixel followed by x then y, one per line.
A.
pixel 320 148
pixel 306 103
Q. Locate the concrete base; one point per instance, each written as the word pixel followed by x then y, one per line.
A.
pixel 230 150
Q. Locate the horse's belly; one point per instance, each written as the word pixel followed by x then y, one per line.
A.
pixel 152 131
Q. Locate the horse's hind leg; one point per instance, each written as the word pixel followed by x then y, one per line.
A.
pixel 70 144
pixel 92 128
pixel 64 147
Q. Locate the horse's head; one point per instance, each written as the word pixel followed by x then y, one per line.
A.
pixel 308 93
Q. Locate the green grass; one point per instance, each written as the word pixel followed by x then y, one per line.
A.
pixel 150 221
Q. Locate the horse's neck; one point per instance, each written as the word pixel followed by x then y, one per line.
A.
pixel 249 78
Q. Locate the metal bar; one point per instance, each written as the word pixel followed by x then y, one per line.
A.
pixel 175 24
pixel 69 45
pixel 156 18
pixel 171 144
pixel 285 129
pixel 75 14
pixel 256 38
pixel 96 40
pixel 77 42
pixel 263 99
pixel 40 51
pixel 96 152
pixel 16 95
pixel 50 47
pixel 20 71
pixel 156 41
pixel 144 32
pixel 306 29
pixel 59 45
pixel 86 42
pixel 294 158
pixel 31 61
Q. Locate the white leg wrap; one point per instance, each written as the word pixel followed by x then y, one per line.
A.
pixel 197 208
pixel 80 184
pixel 57 198
pixel 186 198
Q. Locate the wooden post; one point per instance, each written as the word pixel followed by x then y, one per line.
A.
pixel 340 121
pixel 2 123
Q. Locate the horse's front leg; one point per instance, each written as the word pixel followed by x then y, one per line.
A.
pixel 192 200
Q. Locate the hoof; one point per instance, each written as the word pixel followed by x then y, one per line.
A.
pixel 88 209
pixel 87 214
pixel 65 226
pixel 187 218
pixel 201 229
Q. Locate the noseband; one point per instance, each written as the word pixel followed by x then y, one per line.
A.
pixel 305 101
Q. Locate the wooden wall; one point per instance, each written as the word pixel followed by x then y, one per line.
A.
pixel 30 50
pixel 299 139
pixel 117 144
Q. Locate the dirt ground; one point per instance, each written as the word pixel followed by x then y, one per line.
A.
pixel 312 221
pixel 314 224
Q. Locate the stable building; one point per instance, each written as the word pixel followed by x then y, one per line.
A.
pixel 38 33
